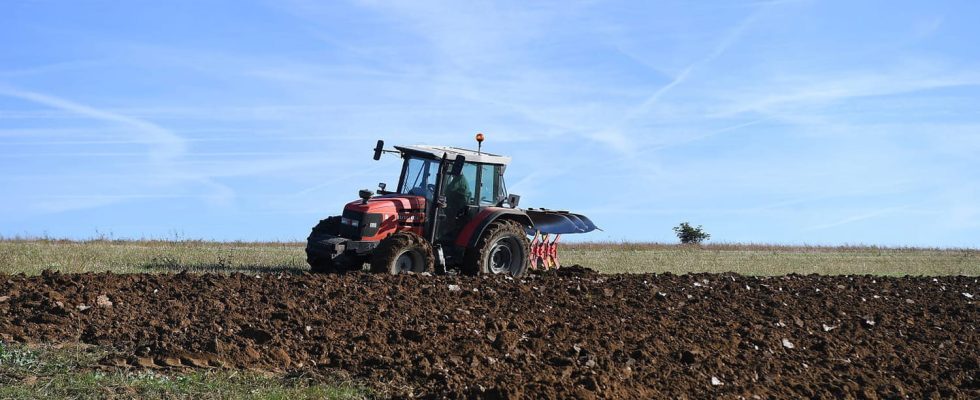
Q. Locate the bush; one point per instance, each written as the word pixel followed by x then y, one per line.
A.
pixel 689 234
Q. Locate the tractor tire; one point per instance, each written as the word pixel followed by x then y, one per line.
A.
pixel 402 252
pixel 320 264
pixel 502 249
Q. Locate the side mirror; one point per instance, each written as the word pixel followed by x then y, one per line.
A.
pixel 457 165
pixel 378 149
pixel 514 200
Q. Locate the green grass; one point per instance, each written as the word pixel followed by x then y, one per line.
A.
pixel 33 256
pixel 73 372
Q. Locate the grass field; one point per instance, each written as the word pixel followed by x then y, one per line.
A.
pixel 46 372
pixel 33 256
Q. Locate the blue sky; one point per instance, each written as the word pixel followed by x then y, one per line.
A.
pixel 817 122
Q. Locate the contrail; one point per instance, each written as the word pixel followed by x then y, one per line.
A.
pixel 614 137
pixel 166 145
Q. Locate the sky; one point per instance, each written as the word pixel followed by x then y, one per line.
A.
pixel 787 122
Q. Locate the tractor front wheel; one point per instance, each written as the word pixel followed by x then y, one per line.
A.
pixel 402 252
pixel 502 249
pixel 321 263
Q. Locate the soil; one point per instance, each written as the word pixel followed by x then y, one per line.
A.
pixel 565 334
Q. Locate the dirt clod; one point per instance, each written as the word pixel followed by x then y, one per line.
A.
pixel 257 335
pixel 145 362
pixel 690 356
pixel 103 301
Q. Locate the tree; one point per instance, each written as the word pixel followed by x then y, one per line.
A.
pixel 689 234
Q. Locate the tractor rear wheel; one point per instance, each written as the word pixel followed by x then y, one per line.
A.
pixel 502 249
pixel 402 252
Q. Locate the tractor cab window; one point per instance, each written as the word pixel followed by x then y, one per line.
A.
pixel 489 189
pixel 419 177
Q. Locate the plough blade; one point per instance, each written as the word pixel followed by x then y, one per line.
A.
pixel 559 222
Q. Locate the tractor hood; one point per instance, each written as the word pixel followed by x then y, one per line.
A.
pixel 383 215
pixel 388 204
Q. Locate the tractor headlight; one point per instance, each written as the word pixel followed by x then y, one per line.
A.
pixel 350 221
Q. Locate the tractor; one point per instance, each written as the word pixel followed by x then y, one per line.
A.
pixel 450 212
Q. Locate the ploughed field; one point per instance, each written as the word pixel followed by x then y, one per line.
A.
pixel 571 333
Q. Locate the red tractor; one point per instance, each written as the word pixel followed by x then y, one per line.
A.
pixel 450 211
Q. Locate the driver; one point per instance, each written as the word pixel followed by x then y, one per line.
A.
pixel 458 191
pixel 457 196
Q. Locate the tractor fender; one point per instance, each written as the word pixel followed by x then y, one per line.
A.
pixel 475 227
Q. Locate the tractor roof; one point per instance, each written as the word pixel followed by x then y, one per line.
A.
pixel 452 152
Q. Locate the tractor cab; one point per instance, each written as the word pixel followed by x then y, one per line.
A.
pixel 478 183
pixel 481 175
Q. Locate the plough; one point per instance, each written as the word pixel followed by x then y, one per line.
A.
pixel 551 224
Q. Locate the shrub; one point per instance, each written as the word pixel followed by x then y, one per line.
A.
pixel 689 234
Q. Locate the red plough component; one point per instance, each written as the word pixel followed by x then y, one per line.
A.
pixel 544 254
pixel 544 223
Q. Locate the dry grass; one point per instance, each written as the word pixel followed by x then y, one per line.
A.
pixel 31 256
pixel 761 259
